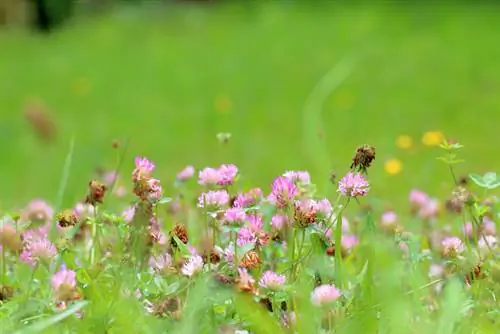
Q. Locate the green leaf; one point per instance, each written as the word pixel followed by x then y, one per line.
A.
pixel 165 200
pixel 451 307
pixel 182 247
pixel 489 180
pixel 46 323
pixel 260 321
pixel 478 179
pixel 241 251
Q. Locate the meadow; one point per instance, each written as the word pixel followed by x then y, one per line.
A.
pixel 298 88
pixel 172 79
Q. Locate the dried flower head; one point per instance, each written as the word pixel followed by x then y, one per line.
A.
pixel 67 218
pixel 10 238
pixel 304 213
pixel 96 193
pixel 251 260
pixel 179 230
pixel 245 282
pixel 363 158
pixel 6 292
pixel 41 121
pixel 170 306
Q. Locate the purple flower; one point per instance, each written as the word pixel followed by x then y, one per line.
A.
pixel 155 191
pixel 301 177
pixel 228 253
pixel 37 211
pixel 324 207
pixel 345 227
pixel 186 173
pixel 128 213
pixel 389 219
pixel 245 278
pixel 83 211
pixel 213 198
pixel 38 250
pixel 353 185
pixel 63 283
pixel 279 221
pixel 143 169
pixel 325 294
pixel 271 280
pixel 161 263
pixel 193 266
pixel 255 222
pixel 452 246
pixel 487 242
pixel 227 174
pixel 110 178
pixel 418 198
pixel 248 199
pixel 489 227
pixel 235 215
pixel 283 192
pixel 467 230
pixel 436 271
pixel 429 209
pixel 349 242
pixel 245 236
pixel 208 176
pixel 31 235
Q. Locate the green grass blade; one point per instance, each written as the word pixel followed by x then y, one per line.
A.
pixel 46 323
pixel 63 184
pixel 311 114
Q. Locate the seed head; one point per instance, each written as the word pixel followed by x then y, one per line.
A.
pixel 96 193
pixel 67 218
pixel 363 159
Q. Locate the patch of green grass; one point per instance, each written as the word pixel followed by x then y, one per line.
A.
pixel 156 76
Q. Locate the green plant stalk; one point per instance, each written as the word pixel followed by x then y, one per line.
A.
pixel 234 238
pixel 475 222
pixel 338 245
pixel 338 250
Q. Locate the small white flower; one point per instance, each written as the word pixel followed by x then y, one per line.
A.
pixel 193 266
pixel 487 242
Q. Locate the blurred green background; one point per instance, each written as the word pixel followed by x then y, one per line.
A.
pixel 172 76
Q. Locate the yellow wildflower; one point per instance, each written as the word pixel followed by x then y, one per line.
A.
pixel 404 142
pixel 393 166
pixel 432 138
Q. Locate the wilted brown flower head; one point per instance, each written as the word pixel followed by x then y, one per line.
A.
pixel 10 238
pixel 180 231
pixel 67 218
pixel 41 121
pixel 364 157
pixel 333 177
pixel 251 260
pixel 96 193
pixel 304 213
pixel 170 306
pixel 6 292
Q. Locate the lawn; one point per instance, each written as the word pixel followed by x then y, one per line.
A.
pixel 170 79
